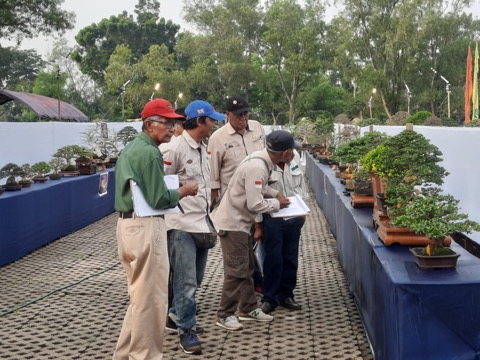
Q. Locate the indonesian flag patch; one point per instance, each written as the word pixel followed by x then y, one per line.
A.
pixel 258 184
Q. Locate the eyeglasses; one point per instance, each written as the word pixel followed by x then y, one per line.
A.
pixel 171 125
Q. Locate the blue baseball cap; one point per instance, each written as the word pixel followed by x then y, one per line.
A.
pixel 200 108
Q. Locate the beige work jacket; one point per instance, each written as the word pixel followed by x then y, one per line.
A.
pixel 290 180
pixel 186 158
pixel 247 195
pixel 227 149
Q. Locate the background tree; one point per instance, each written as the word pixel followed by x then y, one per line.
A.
pixel 98 41
pixel 292 44
pixel 21 19
pixel 18 68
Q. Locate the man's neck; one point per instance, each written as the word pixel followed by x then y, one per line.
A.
pixel 195 135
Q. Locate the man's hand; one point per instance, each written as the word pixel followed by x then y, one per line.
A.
pixel 258 232
pixel 189 188
pixel 284 202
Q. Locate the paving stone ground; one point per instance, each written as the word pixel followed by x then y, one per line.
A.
pixel 67 301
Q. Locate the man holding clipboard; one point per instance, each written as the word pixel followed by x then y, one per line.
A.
pixel 142 241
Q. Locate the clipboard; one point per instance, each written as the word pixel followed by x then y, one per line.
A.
pixel 259 252
pixel 140 205
pixel 296 208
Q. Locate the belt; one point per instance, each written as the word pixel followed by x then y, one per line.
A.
pixel 131 214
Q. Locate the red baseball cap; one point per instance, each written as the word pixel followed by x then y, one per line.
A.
pixel 160 107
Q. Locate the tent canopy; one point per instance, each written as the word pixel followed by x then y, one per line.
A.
pixel 45 107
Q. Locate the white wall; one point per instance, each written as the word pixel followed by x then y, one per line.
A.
pixel 22 143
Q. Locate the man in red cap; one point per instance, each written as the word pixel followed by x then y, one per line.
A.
pixel 142 241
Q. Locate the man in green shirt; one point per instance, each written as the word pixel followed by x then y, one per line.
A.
pixel 142 241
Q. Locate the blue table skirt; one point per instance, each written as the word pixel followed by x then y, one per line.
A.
pixel 408 313
pixel 35 216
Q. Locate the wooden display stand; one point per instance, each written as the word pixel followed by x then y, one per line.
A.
pixel 361 200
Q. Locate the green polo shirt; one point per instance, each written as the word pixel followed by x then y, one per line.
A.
pixel 141 161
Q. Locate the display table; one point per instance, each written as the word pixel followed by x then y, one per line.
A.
pixel 33 217
pixel 408 313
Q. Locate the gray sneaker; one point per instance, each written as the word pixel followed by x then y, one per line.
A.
pixel 230 323
pixel 256 315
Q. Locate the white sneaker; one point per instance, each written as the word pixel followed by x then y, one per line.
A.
pixel 256 315
pixel 230 323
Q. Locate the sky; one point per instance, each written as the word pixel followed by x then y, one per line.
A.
pixel 93 11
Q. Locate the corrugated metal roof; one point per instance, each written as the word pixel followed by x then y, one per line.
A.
pixel 45 107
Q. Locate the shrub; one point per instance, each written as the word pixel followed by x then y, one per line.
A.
pixel 418 118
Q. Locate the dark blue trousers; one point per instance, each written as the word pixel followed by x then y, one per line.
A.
pixel 281 240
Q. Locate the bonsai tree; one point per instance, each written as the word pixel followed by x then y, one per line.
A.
pixel 127 134
pixel 361 174
pixel 11 171
pixel 436 216
pixel 70 152
pixel 26 173
pixel 352 151
pixel 41 169
pixel 56 164
pixel 407 162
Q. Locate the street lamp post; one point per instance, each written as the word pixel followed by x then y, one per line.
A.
pixel 374 91
pixel 180 95
pixel 58 91
pixel 447 89
pixel 409 96
pixel 156 88
pixel 123 97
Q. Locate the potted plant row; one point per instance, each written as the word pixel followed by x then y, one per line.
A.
pixel 408 166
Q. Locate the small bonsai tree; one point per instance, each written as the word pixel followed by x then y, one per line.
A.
pixel 352 151
pixel 26 173
pixel 56 164
pixel 436 216
pixel 41 169
pixel 361 174
pixel 11 171
pixel 70 152
pixel 127 134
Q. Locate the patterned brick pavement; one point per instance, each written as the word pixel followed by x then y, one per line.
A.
pixel 67 301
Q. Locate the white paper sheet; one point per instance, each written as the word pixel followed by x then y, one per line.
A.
pixel 140 205
pixel 296 208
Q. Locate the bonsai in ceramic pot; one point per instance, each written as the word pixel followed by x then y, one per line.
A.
pixel 11 171
pixel 26 174
pixel 70 152
pixel 436 216
pixel 40 170
pixel 56 165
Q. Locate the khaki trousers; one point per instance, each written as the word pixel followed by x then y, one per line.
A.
pixel 238 261
pixel 142 248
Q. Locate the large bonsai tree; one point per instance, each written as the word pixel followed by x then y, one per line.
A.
pixel 407 162
pixel 436 216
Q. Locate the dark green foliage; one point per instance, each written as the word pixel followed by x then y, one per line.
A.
pixel 98 41
pixel 352 151
pixel 418 118
pixel 446 121
pixel 21 19
pixel 434 215
pixel 370 121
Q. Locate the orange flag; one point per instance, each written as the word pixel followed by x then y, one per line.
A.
pixel 468 86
